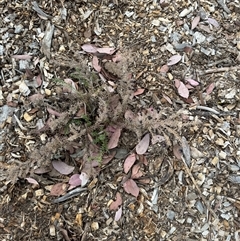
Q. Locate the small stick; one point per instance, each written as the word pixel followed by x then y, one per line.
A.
pixel 200 107
pixel 198 189
pixel 72 193
pixel 217 70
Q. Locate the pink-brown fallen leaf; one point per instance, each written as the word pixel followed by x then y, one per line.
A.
pixel 53 112
pixel 182 89
pixel 157 139
pixel 128 163
pixel 106 50
pixel 138 92
pixel 136 172
pixel 129 115
pixel 42 170
pixel 210 88
pixel 118 214
pixel 213 22
pixel 32 180
pixel 75 180
pixel 131 187
pixel 36 97
pixel 195 22
pixel 114 205
pixel 62 167
pixel 192 82
pixel 174 59
pixel 143 159
pixel 23 56
pixel 89 48
pixel 164 69
pixel 113 142
pixel 107 158
pixel 58 189
pixel 177 151
pixel 144 180
pixel 95 64
pixel 39 80
pixel 143 145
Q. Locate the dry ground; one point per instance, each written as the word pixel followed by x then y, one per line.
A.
pixel 201 202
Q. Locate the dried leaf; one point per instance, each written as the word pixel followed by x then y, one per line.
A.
pixel 23 56
pixel 47 40
pixel 89 48
pixel 131 187
pixel 143 145
pixel 174 59
pixel 157 139
pixel 213 22
pixel 58 189
pixel 164 69
pixel 210 88
pixel 95 64
pixel 182 89
pixel 42 170
pixel 62 167
pixel 75 180
pixel 167 98
pixel 36 97
pixel 113 142
pixel 186 151
pixel 39 80
pixel 192 82
pixel 53 112
pixel 177 151
pixel 130 160
pixel 136 172
pixel 138 92
pixel 106 50
pixel 118 214
pixel 84 177
pixel 32 180
pixel 114 205
pixel 195 22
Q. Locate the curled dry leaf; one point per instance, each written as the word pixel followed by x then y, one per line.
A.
pixel 174 60
pixel 84 177
pixel 62 167
pixel 195 22
pixel 130 160
pixel 131 187
pixel 114 205
pixel 118 214
pixel 32 180
pixel 143 145
pixel 113 142
pixel 138 92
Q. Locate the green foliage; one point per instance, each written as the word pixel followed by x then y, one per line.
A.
pixel 100 138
